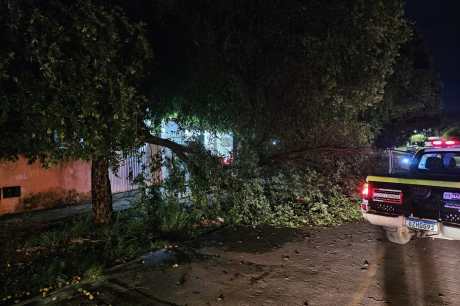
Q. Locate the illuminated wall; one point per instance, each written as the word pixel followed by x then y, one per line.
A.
pixel 29 186
pixel 26 186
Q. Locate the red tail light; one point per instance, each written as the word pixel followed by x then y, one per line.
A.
pixel 366 192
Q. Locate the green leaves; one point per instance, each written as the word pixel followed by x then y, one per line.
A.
pixel 412 91
pixel 299 71
pixel 77 70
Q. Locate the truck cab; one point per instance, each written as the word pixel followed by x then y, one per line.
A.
pixel 423 201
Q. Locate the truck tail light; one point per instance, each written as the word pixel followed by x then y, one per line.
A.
pixel 366 195
pixel 366 192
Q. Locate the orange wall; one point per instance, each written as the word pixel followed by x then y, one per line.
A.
pixel 75 175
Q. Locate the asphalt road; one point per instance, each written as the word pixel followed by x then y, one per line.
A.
pixel 346 265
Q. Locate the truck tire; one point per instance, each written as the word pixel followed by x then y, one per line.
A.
pixel 399 235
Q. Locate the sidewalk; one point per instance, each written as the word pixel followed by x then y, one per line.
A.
pixel 121 201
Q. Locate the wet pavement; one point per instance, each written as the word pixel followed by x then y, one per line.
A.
pixel 346 265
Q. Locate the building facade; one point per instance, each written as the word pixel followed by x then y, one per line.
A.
pixel 25 187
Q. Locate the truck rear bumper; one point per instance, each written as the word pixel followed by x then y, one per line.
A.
pixel 445 231
pixel 385 221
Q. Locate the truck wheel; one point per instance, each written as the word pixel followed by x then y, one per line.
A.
pixel 399 235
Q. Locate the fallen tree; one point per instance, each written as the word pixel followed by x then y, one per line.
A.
pixel 74 79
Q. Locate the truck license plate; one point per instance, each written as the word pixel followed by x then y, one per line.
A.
pixel 420 224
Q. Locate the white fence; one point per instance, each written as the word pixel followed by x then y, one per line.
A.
pixel 134 164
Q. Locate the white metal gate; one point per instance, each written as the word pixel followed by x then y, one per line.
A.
pixel 133 164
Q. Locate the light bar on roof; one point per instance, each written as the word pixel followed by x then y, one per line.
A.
pixel 445 143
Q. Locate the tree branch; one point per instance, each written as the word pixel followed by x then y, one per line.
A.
pixel 295 154
pixel 180 150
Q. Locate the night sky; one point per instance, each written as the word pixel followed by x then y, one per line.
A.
pixel 439 23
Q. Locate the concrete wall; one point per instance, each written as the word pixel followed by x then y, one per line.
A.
pixel 70 181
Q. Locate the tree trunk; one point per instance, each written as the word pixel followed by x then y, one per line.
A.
pixel 101 192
